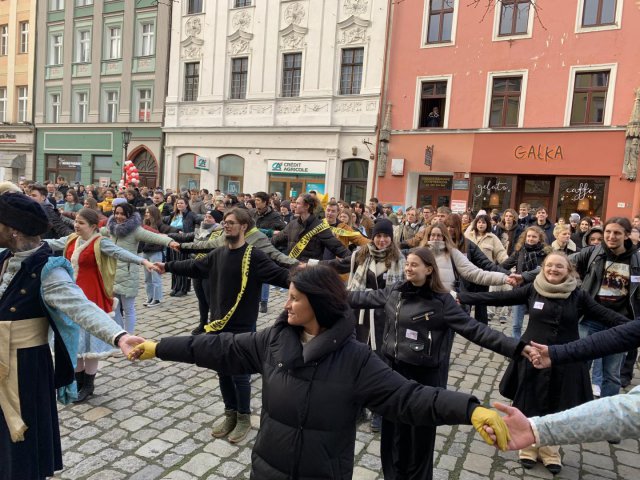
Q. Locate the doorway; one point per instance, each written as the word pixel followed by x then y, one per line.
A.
pixel 537 191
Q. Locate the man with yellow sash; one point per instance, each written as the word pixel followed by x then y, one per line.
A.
pixel 235 273
pixel 306 236
pixel 37 292
pixel 343 232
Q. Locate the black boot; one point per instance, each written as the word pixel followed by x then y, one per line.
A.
pixel 87 389
pixel 80 379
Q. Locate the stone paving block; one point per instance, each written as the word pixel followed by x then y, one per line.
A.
pixel 153 448
pixel 172 435
pixel 360 473
pixel 373 448
pixel 628 458
pixel 134 424
pixel 150 472
pixel 602 461
pixel 477 463
pixel 96 413
pixel 230 469
pixel 178 475
pixel 602 448
pixel 220 447
pixel 446 462
pixel 108 475
pixel 466 475
pixel 200 464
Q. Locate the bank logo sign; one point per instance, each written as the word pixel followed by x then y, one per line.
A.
pixel 297 168
pixel 276 167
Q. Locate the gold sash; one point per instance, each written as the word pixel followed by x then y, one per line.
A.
pixel 342 232
pixel 304 241
pixel 15 335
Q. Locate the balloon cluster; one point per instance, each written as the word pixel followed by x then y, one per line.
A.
pixel 131 175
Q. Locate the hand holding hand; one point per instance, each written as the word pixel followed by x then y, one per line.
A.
pixel 540 358
pixel 514 280
pixel 521 434
pixel 128 342
pixel 159 267
pixel 174 246
pixel 149 266
pixel 482 417
pixel 529 352
pixel 144 351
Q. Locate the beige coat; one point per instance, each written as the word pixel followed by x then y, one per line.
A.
pixel 490 245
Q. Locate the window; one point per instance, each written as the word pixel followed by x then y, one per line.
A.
pixel 23 103
pixel 3 104
pixel 23 47
pixel 291 71
pixel 101 168
pixel 194 6
pixel 239 69
pixel 489 192
pixel 514 17
pixel 83 3
pixel 55 5
pixel 351 71
pixel 191 81
pixel 146 38
pixel 440 21
pixel 54 108
pixel 597 13
pixel 188 175
pixel 505 102
pixel 67 166
pixel 144 105
pixel 83 46
pixel 4 39
pixel 81 107
pixel 353 187
pixel 589 98
pixel 433 101
pixel 584 195
pixel 241 3
pixel 230 173
pixel 55 48
pixel 111 106
pixel 114 42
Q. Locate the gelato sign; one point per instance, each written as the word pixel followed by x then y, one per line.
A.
pixel 296 168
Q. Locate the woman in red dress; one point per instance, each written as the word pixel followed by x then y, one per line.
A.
pixel 93 258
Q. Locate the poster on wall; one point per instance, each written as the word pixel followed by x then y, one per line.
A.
pixel 233 187
pixel 458 206
pixel 104 181
pixel 318 187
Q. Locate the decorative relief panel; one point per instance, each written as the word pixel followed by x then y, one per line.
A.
pixel 293 37
pixel 355 7
pixel 192 44
pixel 353 35
pixel 316 107
pixel 191 52
pixel 213 110
pixel 171 110
pixel 236 110
pixel 193 27
pixel 294 14
pixel 261 109
pixel 289 108
pixel 241 21
pixel 348 107
pixel 240 42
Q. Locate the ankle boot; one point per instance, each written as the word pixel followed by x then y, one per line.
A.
pixel 227 424
pixel 243 427
pixel 80 379
pixel 87 388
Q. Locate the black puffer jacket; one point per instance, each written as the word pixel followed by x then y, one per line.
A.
pixel 270 220
pixel 311 397
pixel 296 229
pixel 420 323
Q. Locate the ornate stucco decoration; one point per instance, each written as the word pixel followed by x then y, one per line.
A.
pixel 240 42
pixel 294 14
pixel 191 46
pixel 632 142
pixel 293 37
pixel 241 21
pixel 353 30
pixel 355 7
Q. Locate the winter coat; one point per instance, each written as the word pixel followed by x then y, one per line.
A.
pixel 547 228
pixel 551 321
pixel 145 247
pixel 568 249
pixel 490 245
pixel 312 396
pixel 296 229
pixel 188 220
pixel 198 207
pixel 480 260
pixel 420 324
pixel 508 236
pixel 269 220
pixel 518 259
pixel 454 267
pixel 127 235
pixel 58 227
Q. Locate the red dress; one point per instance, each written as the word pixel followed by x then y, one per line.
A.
pixel 89 276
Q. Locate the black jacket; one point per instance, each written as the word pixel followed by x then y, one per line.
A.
pixel 58 227
pixel 296 229
pixel 311 397
pixel 188 221
pixel 270 220
pixel 518 259
pixel 420 324
pixel 480 260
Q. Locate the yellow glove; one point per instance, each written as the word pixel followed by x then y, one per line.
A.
pixel 144 351
pixel 483 416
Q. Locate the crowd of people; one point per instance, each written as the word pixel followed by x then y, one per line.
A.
pixel 375 297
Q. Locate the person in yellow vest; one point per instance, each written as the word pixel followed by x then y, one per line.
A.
pixel 348 236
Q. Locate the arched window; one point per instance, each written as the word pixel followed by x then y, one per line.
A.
pixel 230 173
pixel 147 168
pixel 188 174
pixel 354 180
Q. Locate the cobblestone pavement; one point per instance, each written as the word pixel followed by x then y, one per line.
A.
pixel 152 420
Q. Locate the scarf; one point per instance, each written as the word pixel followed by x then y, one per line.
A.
pixel 119 230
pixel 80 246
pixel 549 290
pixel 531 254
pixel 358 279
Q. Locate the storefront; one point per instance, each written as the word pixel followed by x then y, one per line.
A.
pixel 16 152
pixel 291 178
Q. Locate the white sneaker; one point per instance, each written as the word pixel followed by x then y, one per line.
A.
pixel 596 390
pixel 146 304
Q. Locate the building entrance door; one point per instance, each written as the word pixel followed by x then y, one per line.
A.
pixel 537 191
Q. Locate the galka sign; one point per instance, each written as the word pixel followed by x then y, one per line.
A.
pixel 296 168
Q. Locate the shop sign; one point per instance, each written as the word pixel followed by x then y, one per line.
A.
pixel 580 192
pixel 543 153
pixel 485 189
pixel 462 184
pixel 458 206
pixel 296 168
pixel 68 163
pixel 201 163
pixel 7 138
pixel 434 182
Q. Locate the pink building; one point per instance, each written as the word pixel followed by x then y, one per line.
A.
pixel 524 101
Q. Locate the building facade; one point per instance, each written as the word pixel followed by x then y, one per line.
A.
pixel 526 101
pixel 276 96
pixel 102 69
pixel 17 53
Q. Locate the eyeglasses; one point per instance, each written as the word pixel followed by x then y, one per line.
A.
pixel 229 223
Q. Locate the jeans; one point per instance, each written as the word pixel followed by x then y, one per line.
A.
pixel 596 372
pixel 518 319
pixel 264 294
pixel 610 364
pixel 236 392
pixel 128 306
pixel 152 280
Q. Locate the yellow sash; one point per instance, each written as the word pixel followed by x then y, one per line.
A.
pixel 217 325
pixel 341 232
pixel 304 241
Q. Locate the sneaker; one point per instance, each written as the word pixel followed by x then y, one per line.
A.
pixel 263 307
pixel 146 304
pixel 153 303
pixel 376 423
pixel 596 390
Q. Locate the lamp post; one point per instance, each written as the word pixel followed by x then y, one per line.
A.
pixel 126 139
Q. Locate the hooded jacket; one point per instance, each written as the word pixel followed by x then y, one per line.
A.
pixel 312 396
pixel 296 229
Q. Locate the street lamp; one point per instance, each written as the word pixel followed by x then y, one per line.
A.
pixel 126 139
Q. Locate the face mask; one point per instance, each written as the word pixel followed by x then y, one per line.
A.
pixel 436 245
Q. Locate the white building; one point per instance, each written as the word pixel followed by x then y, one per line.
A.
pixel 275 95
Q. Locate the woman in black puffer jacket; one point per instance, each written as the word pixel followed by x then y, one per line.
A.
pixel 316 377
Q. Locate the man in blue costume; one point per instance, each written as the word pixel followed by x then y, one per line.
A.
pixel 37 292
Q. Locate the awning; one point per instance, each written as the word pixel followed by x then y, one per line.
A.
pixel 13 160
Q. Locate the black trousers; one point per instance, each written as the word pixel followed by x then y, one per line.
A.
pixel 626 371
pixel 178 282
pixel 201 287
